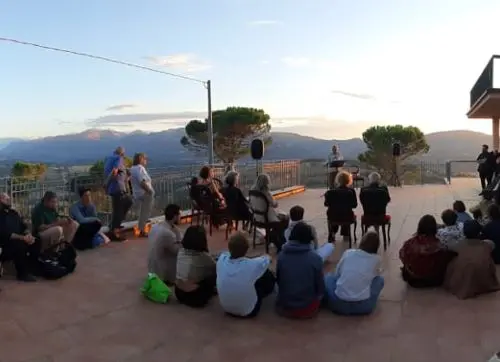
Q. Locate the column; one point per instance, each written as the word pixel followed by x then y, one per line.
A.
pixel 495 121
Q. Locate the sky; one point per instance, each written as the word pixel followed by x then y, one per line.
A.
pixel 321 68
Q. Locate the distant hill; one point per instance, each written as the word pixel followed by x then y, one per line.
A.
pixel 165 148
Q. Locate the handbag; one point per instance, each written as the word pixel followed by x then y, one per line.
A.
pixel 155 289
pixel 57 261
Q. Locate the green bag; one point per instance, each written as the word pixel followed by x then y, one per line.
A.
pixel 155 289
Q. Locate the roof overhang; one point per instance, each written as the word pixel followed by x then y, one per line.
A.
pixel 487 106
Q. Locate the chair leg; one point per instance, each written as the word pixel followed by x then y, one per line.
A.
pixel 389 232
pixel 355 227
pixel 384 236
pixel 254 235
pixel 210 224
pixel 268 240
pixel 192 215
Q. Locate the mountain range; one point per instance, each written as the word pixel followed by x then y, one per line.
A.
pixel 165 148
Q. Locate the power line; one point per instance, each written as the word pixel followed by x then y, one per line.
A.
pixel 98 57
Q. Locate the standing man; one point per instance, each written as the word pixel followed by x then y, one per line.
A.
pixel 115 175
pixel 333 158
pixel 485 167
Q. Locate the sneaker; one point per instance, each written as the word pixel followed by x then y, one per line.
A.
pixel 116 238
pixel 26 278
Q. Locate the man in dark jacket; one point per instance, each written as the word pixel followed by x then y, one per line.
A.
pixel 485 166
pixel 16 241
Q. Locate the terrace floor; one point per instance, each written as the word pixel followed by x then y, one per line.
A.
pixel 97 314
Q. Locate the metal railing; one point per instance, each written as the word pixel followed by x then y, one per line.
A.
pixel 484 82
pixel 460 168
pixel 170 186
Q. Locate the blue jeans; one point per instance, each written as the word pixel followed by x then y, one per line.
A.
pixel 362 307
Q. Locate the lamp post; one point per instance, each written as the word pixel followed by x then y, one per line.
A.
pixel 210 130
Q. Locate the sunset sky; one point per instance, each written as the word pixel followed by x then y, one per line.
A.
pixel 323 68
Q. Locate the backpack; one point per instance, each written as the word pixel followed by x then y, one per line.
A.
pixel 57 261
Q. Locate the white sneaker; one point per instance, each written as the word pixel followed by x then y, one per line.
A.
pixel 495 358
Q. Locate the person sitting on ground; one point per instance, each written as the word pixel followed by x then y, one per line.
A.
pixel 461 211
pixel 296 216
pixel 164 243
pixel 423 256
pixel 196 269
pixel 340 202
pixel 354 287
pixel 299 274
pixel 277 219
pixel 374 198
pixel 481 209
pixel 473 271
pixel 143 192
pixel 242 282
pixel 16 242
pixel 49 225
pixel 237 204
pixel 88 235
pixel 452 232
pixel 491 231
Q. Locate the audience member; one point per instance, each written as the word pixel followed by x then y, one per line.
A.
pixel 299 275
pixel 84 212
pixel 491 231
pixel 480 210
pixel 472 272
pixel 242 282
pixel 164 243
pixel 355 286
pixel 207 179
pixel 49 225
pixel 340 202
pixel 196 269
pixel 296 216
pixel 423 256
pixel 452 232
pixel 16 242
pixel 142 191
pixel 277 219
pixel 115 175
pixel 461 211
pixel 374 198
pixel 237 204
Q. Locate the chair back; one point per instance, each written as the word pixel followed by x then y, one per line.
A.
pixel 202 197
pixel 374 201
pixel 260 212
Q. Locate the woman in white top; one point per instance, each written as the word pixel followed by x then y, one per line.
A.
pixel 355 286
pixel 142 190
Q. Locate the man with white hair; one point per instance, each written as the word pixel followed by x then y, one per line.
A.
pixel 374 199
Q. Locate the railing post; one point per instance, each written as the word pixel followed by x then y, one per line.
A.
pixel 448 171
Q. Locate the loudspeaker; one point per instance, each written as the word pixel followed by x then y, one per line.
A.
pixel 396 149
pixel 257 149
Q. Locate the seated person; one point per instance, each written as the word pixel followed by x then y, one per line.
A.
pixel 451 233
pixel 481 209
pixel 207 179
pixel 472 272
pixel 237 204
pixel 242 282
pixel 299 274
pixel 461 211
pixel 296 216
pixel 423 256
pixel 49 225
pixel 340 202
pixel 16 242
pixel 195 269
pixel 277 219
pixel 88 235
pixel 374 198
pixel 164 244
pixel 491 231
pixel 355 286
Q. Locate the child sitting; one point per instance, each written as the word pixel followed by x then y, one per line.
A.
pixel 472 271
pixel 354 287
pixel 461 211
pixel 299 275
pixel 242 282
pixel 452 232
pixel 296 216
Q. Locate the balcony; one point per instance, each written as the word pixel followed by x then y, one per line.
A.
pixel 485 95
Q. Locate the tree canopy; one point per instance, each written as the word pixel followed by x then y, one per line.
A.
pixel 380 139
pixel 28 170
pixel 233 128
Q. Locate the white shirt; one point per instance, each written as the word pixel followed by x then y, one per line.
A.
pixel 236 282
pixel 450 236
pixel 138 174
pixel 292 224
pixel 355 272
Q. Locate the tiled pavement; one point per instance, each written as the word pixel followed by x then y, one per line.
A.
pixel 98 315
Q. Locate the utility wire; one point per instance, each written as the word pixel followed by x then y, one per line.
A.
pixel 98 57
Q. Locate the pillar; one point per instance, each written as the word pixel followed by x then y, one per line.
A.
pixel 495 132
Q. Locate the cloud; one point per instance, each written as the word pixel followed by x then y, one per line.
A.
pixel 264 62
pixel 122 120
pixel 361 96
pixel 264 22
pixel 120 107
pixel 296 62
pixel 183 62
